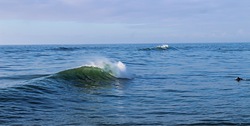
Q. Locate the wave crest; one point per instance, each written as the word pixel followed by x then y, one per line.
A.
pixel 117 69
pixel 159 47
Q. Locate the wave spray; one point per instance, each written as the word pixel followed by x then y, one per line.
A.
pixel 115 68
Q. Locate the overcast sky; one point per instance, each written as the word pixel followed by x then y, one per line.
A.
pixel 123 21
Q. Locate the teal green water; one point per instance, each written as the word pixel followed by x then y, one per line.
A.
pixel 138 84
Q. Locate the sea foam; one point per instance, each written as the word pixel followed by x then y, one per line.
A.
pixel 115 68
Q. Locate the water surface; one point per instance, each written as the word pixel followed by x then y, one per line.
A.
pixel 185 84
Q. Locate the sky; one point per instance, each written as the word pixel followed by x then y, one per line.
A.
pixel 123 21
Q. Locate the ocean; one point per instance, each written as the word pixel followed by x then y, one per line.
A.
pixel 125 84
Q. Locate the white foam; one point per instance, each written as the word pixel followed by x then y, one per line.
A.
pixel 163 46
pixel 116 68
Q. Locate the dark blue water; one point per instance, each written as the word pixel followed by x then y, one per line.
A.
pixel 186 84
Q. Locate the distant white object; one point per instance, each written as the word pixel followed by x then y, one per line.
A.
pixel 163 46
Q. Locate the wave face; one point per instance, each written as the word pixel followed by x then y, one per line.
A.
pixel 87 75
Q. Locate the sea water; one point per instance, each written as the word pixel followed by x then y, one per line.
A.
pixel 180 84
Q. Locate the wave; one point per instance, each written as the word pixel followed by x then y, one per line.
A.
pixel 96 73
pixel 162 47
pixel 159 47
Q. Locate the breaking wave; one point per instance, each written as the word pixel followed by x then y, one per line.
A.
pixel 159 47
pixel 116 69
pixel 98 72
